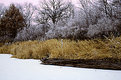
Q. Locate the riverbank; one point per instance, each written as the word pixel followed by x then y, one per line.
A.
pixel 96 49
pixel 107 63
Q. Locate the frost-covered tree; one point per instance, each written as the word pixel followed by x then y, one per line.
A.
pixel 116 4
pixel 104 27
pixel 109 19
pixel 84 8
pixel 89 12
pixel 106 8
pixel 117 8
pixel 30 33
pixel 112 9
pixel 56 19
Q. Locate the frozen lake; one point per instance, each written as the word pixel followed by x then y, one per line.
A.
pixel 29 69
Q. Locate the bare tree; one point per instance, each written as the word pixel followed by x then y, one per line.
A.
pixel 54 11
pixel 106 8
pixel 116 4
pixel 28 10
pixel 90 12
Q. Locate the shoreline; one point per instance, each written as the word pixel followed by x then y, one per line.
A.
pixel 111 64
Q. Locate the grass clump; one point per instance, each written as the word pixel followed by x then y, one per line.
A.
pixel 65 49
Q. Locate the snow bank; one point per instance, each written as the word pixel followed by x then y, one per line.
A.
pixel 29 69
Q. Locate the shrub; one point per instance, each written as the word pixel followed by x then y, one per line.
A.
pixel 104 27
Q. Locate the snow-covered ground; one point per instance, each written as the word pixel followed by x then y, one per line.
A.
pixel 19 69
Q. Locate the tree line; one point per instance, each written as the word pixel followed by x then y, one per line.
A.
pixel 60 19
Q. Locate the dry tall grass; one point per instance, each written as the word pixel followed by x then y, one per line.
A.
pixel 66 49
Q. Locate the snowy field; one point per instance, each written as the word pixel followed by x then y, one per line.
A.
pixel 18 69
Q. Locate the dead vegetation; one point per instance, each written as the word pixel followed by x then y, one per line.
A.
pixel 65 49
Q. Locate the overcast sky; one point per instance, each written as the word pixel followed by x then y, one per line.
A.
pixel 35 2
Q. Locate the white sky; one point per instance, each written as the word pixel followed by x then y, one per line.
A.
pixel 35 2
pixel 7 2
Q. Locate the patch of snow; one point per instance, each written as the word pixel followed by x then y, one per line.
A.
pixel 29 69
